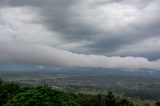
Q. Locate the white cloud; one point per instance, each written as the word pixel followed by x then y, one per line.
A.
pixel 118 16
pixel 21 27
pixel 43 55
pixel 5 39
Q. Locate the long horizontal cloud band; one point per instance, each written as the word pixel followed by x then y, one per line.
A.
pixel 44 55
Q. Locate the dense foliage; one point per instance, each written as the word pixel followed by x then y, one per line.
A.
pixel 12 94
pixel 41 96
pixel 7 91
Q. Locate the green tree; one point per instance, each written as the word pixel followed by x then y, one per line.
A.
pixel 110 99
pixel 42 96
pixel 1 80
pixel 7 91
pixel 157 103
pixel 124 102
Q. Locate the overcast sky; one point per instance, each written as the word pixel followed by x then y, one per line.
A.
pixel 88 33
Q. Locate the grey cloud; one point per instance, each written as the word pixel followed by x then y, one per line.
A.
pixel 35 3
pixel 69 18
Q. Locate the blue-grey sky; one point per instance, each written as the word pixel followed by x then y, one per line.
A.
pixel 116 32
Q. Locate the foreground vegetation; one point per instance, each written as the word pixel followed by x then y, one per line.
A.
pixel 12 94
